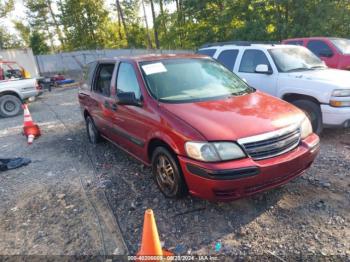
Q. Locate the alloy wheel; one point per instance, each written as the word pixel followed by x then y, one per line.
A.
pixel 165 175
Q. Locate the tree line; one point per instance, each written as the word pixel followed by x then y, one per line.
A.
pixel 65 25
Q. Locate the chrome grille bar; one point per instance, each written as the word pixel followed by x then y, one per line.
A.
pixel 271 144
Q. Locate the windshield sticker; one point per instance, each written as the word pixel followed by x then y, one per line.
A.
pixel 155 68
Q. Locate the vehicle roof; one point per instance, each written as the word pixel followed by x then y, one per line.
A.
pixel 153 57
pixel 312 38
pixel 252 46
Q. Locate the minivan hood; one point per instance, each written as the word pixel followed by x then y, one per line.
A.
pixel 335 77
pixel 237 117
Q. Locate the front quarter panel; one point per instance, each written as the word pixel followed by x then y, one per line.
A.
pixel 174 131
pixel 298 85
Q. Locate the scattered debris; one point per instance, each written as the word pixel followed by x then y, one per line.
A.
pixel 12 163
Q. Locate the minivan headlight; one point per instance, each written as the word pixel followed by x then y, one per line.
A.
pixel 305 128
pixel 213 151
pixel 341 92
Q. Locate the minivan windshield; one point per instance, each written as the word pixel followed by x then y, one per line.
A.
pixel 342 44
pixel 191 80
pixel 295 59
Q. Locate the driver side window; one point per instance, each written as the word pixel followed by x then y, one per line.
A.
pixel 250 60
pixel 127 80
pixel 320 48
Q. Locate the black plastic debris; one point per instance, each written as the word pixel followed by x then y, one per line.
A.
pixel 12 163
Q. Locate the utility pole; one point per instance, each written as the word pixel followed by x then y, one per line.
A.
pixel 147 28
pixel 155 25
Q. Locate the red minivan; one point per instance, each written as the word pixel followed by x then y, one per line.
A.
pixel 199 126
pixel 335 52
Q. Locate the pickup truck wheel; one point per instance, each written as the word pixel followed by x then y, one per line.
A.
pixel 92 132
pixel 313 112
pixel 10 105
pixel 168 173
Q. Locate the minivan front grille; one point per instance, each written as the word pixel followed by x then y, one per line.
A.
pixel 271 144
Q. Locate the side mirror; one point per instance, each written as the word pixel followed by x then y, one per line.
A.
pixel 263 69
pixel 128 98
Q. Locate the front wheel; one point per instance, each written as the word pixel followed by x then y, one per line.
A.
pixel 92 132
pixel 168 174
pixel 10 105
pixel 313 112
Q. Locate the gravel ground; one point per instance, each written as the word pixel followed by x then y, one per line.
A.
pixel 307 217
pixel 55 205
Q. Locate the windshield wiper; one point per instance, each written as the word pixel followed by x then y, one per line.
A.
pixel 299 69
pixel 319 66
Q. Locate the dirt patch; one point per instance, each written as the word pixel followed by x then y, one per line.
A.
pixel 48 207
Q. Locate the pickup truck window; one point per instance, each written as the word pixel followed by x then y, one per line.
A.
pixel 103 79
pixel 127 80
pixel 208 52
pixel 251 58
pixel 343 45
pixel 320 48
pixel 228 58
pixel 10 71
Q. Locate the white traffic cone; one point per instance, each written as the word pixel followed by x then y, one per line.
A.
pixel 30 139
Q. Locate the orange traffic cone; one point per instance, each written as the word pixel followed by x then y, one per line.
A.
pixel 150 245
pixel 30 129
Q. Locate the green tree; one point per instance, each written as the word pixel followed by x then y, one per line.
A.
pixel 24 32
pixel 38 44
pixel 84 21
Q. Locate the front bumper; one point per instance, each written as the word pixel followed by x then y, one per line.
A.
pixel 236 179
pixel 335 116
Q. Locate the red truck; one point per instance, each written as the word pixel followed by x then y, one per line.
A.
pixel 335 52
pixel 199 126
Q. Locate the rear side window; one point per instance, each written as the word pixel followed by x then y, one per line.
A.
pixel 103 79
pixel 88 73
pixel 252 58
pixel 228 58
pixel 208 52
pixel 320 48
pixel 294 42
pixel 127 80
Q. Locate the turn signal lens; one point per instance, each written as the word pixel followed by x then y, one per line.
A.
pixel 339 103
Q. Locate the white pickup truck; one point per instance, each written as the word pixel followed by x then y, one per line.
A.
pixel 15 88
pixel 12 94
pixel 292 73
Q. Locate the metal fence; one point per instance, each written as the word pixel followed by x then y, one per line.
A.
pixel 72 63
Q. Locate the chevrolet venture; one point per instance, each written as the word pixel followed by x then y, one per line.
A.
pixel 200 127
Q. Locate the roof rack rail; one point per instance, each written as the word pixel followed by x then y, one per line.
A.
pixel 239 43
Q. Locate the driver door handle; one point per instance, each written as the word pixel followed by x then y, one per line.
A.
pixel 106 104
pixel 114 107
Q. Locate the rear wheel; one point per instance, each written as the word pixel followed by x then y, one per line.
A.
pixel 92 132
pixel 168 174
pixel 10 105
pixel 313 112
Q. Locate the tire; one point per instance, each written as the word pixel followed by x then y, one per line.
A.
pixel 92 132
pixel 10 106
pixel 313 112
pixel 171 183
